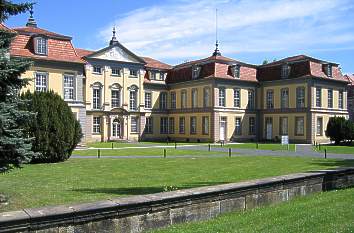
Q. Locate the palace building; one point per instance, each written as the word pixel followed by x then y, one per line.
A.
pixel 118 95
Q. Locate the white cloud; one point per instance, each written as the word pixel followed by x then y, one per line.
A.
pixel 186 29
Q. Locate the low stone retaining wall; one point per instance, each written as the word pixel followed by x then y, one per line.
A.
pixel 140 213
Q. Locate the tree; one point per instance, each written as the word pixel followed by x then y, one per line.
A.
pixel 55 129
pixel 14 144
pixel 265 61
pixel 336 129
pixel 349 131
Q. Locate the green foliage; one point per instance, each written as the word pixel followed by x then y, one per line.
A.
pixel 55 129
pixel 14 145
pixel 7 8
pixel 339 129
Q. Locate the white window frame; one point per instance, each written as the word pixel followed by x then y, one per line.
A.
pixel 69 87
pixel 283 126
pixel 319 127
pixel 251 99
pixel 284 98
pixel 299 126
pixel 96 125
pixel 115 100
pixel 133 73
pixel 149 125
pixel 194 97
pixel 96 97
pixel 236 71
pixel 133 100
pixel 205 125
pixel 300 97
pixel 148 100
pixel 237 97
pixel 340 99
pixel 134 125
pixel 206 97
pixel 270 99
pixel 171 125
pixel 183 99
pixel 163 125
pixel 330 98
pixel 116 74
pixel 41 45
pixel 182 125
pixel 318 97
pixel 163 100
pixel 193 125
pixel 41 81
pixel 285 71
pixel 222 97
pixel 97 69
pixel 238 126
pixel 251 125
pixel 173 100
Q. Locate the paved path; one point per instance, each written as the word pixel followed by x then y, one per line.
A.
pixel 301 150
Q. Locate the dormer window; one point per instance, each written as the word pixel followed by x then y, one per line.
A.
pixel 153 75
pixel 133 72
pixel 41 46
pixel 115 71
pixel 235 70
pixel 162 76
pixel 329 70
pixel 195 72
pixel 285 71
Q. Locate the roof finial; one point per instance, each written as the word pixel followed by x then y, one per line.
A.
pixel 216 51
pixel 31 22
pixel 114 38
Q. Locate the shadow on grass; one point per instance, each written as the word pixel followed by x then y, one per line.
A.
pixel 145 190
pixel 335 163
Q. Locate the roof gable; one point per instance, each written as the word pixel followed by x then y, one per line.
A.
pixel 116 52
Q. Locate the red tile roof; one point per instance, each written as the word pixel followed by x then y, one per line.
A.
pixel 350 78
pixel 60 47
pixel 83 52
pixel 152 63
pixel 296 58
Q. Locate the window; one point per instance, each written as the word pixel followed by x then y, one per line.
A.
pixel 329 70
pixel 222 97
pixel 162 76
pixel 171 125
pixel 163 125
pixel 283 126
pixel 237 98
pixel 235 70
pixel 340 99
pixel 163 100
pixel 133 72
pixel 148 125
pixel 181 125
pixel 115 98
pixel 285 71
pixel 115 71
pixel 194 98
pixel 299 126
pixel 134 124
pixel 96 97
pixel 133 99
pixel 97 70
pixel 173 100
pixel 148 97
pixel 238 126
pixel 41 46
pixel 183 99
pixel 205 124
pixel 319 126
pixel 284 98
pixel 193 124
pixel 252 126
pixel 300 97
pixel 96 127
pixel 152 75
pixel 41 81
pixel 270 99
pixel 318 97
pixel 251 99
pixel 195 72
pixel 69 87
pixel 206 97
pixel 330 98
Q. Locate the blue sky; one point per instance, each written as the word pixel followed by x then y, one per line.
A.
pixel 178 30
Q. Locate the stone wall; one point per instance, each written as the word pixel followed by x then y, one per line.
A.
pixel 140 213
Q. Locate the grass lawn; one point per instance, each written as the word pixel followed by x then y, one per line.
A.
pixel 145 151
pixel 322 212
pixel 337 149
pixel 136 144
pixel 263 146
pixel 84 180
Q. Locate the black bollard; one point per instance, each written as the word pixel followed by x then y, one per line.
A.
pixel 112 145
pixel 164 153
pixel 230 152
pixel 325 150
pixel 209 147
pixel 319 146
pixel 257 145
pixel 175 145
pixel 98 153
